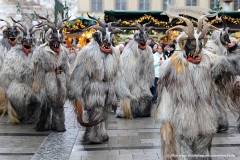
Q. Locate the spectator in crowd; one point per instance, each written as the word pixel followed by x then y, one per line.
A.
pixel 233 47
pixel 154 49
pixel 121 48
pixel 78 48
pixel 159 57
pixel 72 58
pixel 151 42
pixel 169 49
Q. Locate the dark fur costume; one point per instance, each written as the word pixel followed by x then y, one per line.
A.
pixel 97 81
pixel 50 76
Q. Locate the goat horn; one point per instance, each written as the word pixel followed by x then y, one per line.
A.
pixel 97 28
pixel 201 19
pixel 8 24
pixel 189 30
pixel 139 27
pixel 144 25
pixel 100 23
pixel 205 30
pixel 185 29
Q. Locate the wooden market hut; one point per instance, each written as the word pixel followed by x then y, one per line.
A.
pixel 161 23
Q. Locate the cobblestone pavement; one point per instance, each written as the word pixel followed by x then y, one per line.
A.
pixel 129 139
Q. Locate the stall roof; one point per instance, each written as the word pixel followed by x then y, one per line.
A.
pixel 233 18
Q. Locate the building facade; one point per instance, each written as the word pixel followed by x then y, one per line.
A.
pixel 97 7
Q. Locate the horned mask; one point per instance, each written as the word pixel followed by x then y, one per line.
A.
pixel 104 34
pixel 27 39
pixel 195 38
pixel 141 35
pixel 10 32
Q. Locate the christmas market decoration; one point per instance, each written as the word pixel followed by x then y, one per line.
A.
pixel 75 30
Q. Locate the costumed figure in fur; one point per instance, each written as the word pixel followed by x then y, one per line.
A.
pixel 139 70
pixel 51 70
pixel 218 45
pixel 8 40
pixel 96 82
pixel 16 78
pixel 186 104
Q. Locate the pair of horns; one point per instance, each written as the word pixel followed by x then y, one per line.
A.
pixel 189 29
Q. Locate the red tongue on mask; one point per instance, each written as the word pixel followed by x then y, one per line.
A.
pixel 141 47
pixel 12 42
pixel 194 60
pixel 27 51
pixel 57 50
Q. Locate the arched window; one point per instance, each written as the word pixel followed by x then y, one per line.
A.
pixel 120 4
pixel 144 4
pixel 191 2
pixel 96 5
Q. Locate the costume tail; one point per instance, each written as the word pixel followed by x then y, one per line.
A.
pixel 78 109
pixel 5 105
pixel 126 107
pixel 167 143
pixel 3 102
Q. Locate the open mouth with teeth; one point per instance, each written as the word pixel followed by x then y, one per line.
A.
pixel 105 48
pixel 142 45
pixel 55 46
pixel 27 48
pixel 12 40
pixel 194 60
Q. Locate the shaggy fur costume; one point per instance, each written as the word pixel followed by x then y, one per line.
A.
pixel 186 103
pixel 97 80
pixel 218 45
pixel 4 51
pixel 139 70
pixel 50 76
pixel 16 79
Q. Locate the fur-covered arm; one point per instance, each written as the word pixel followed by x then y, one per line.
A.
pixel 121 89
pixel 39 77
pixel 226 66
pixel 7 74
pixel 65 65
pixel 164 106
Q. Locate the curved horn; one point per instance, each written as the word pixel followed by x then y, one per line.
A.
pixel 185 29
pixel 100 23
pixel 189 30
pixel 116 30
pixel 201 19
pixel 97 28
pixel 8 24
pixel 139 27
pixel 22 29
pixel 149 28
pixel 205 30
pixel 144 25
pixel 224 22
pixel 18 22
pixel 39 25
pixel 227 29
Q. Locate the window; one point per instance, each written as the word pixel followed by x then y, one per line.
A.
pixel 120 4
pixel 213 4
pixel 96 5
pixel 171 2
pixel 191 2
pixel 144 4
pixel 236 4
